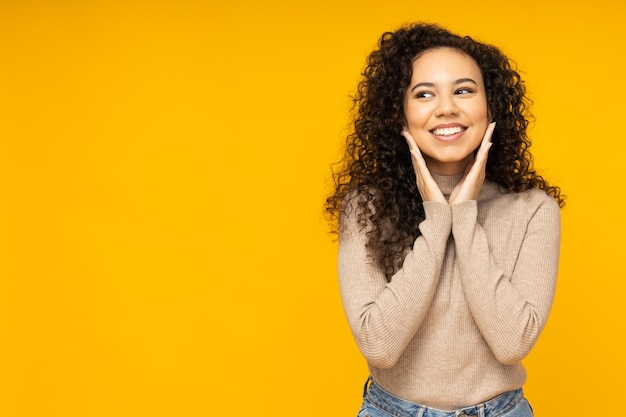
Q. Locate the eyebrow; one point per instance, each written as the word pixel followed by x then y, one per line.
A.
pixel 431 85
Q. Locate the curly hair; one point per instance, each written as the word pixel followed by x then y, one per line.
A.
pixel 376 176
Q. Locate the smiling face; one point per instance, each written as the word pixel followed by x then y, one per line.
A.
pixel 445 108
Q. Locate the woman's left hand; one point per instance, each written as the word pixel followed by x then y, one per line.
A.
pixel 471 183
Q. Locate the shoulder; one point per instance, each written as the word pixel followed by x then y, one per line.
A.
pixel 513 216
pixel 537 199
pixel 527 202
pixel 532 196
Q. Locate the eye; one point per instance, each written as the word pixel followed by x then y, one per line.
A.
pixel 424 94
pixel 464 90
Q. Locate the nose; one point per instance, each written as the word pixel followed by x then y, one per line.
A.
pixel 446 105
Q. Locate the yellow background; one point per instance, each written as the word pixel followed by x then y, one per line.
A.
pixel 163 166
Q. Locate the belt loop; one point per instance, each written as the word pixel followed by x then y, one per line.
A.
pixel 367 385
pixel 481 410
pixel 420 412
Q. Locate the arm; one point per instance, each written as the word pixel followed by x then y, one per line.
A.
pixel 510 311
pixel 384 316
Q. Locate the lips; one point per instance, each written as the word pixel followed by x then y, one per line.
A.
pixel 448 130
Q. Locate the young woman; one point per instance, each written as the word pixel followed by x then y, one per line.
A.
pixel 448 238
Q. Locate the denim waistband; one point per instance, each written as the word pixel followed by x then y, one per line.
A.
pixel 402 408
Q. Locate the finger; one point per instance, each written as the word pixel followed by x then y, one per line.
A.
pixel 416 154
pixel 409 140
pixel 485 145
pixel 426 185
pixel 417 159
pixel 486 142
pixel 415 150
pixel 489 132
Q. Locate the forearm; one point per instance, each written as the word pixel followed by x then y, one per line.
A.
pixel 510 308
pixel 384 316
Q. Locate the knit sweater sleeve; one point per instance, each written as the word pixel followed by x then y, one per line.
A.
pixel 510 309
pixel 384 316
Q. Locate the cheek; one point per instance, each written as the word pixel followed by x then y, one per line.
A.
pixel 485 111
pixel 415 117
pixel 481 120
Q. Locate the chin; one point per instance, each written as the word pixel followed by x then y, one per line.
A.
pixel 454 160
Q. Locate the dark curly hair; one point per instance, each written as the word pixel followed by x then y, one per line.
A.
pixel 376 176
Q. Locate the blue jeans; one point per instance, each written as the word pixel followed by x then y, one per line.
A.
pixel 379 403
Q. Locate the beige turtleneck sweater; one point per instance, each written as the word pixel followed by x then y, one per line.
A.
pixel 452 326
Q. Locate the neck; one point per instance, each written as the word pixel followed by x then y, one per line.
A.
pixel 447 183
pixel 448 168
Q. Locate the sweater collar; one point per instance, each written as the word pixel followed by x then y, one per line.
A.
pixel 447 183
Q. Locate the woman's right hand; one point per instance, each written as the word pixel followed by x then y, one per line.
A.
pixel 428 188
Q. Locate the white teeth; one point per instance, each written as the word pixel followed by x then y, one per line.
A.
pixel 447 131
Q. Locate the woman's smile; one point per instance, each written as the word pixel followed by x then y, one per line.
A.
pixel 448 132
